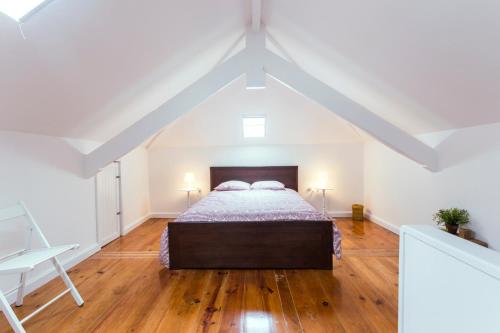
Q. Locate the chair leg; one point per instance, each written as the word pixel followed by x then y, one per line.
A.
pixel 10 315
pixel 20 291
pixel 68 282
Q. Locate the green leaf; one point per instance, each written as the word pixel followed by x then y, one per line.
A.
pixel 452 216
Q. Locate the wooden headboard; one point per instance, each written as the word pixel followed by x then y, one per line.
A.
pixel 288 175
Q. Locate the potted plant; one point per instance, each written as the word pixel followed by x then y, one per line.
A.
pixel 452 218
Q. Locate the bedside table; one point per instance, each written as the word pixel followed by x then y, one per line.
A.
pixel 188 192
pixel 323 191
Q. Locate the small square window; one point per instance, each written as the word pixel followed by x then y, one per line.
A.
pixel 254 127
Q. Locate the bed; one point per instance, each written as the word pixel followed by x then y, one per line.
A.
pixel 264 229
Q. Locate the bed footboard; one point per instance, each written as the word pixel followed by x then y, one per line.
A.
pixel 256 245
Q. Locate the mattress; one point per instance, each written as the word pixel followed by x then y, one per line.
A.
pixel 251 206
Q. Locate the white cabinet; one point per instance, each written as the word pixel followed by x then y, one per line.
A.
pixel 447 284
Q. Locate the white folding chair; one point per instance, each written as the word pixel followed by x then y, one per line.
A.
pixel 25 260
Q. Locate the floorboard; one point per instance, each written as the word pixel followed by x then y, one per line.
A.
pixel 127 290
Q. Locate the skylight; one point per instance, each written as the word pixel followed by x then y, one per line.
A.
pixel 254 126
pixel 20 10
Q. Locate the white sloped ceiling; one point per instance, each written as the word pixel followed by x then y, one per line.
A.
pixel 423 65
pixel 89 69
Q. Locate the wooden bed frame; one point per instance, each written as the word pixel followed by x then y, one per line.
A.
pixel 262 245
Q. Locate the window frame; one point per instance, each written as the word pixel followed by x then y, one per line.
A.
pixel 29 13
pixel 253 116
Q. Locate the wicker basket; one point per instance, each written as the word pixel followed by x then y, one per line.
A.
pixel 357 212
pixel 465 233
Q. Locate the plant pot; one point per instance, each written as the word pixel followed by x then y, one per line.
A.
pixel 452 228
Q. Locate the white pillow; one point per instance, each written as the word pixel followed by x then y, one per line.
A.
pixel 268 185
pixel 233 185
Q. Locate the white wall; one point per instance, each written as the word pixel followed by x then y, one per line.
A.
pixel 135 189
pixel 45 172
pixel 398 191
pixel 343 162
pixel 290 119
pixel 298 132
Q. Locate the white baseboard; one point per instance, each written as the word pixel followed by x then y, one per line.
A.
pixel 165 215
pixel 383 223
pixel 135 224
pixel 109 239
pixel 49 274
pixel 340 213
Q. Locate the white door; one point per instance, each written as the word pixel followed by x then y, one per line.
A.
pixel 108 203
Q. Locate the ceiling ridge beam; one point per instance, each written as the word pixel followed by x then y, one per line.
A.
pixel 152 123
pixel 256 15
pixel 255 47
pixel 385 132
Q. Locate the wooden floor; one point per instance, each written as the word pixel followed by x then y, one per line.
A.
pixel 126 290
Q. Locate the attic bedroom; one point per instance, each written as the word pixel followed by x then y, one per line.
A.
pixel 249 166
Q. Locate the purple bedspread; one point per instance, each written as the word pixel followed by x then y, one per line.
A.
pixel 251 206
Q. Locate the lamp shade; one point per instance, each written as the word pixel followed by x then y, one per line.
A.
pixel 322 180
pixel 189 179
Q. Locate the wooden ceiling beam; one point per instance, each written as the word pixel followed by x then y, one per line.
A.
pixel 155 121
pixel 255 61
pixel 388 134
pixel 255 47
